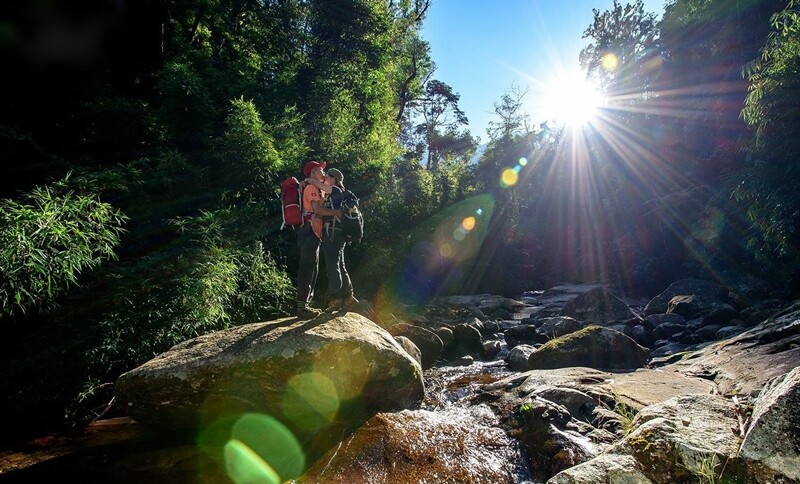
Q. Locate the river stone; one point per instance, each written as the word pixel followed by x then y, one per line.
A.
pixel 331 371
pixel 456 445
pixel 642 335
pixel 689 305
pixel 606 468
pixel 468 338
pixel 697 287
pixel 636 389
pixel 598 306
pixel 559 326
pixel 517 358
pixel 523 334
pixel 671 439
pixel 593 347
pixel 410 348
pixel 654 320
pixel 774 434
pixel 429 344
pixel 445 334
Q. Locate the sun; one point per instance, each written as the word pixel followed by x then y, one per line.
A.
pixel 571 100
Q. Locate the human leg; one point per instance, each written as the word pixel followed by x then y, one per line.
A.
pixel 308 243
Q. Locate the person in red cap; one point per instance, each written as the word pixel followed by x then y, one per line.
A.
pixel 308 238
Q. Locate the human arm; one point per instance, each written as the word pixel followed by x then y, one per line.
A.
pixel 319 209
pixel 321 185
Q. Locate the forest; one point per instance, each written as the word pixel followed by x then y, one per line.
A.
pixel 143 145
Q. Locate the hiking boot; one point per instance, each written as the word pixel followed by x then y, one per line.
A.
pixel 334 304
pixel 349 302
pixel 304 311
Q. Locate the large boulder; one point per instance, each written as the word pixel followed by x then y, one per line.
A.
pixel 598 306
pixel 677 440
pixel 332 372
pixel 773 438
pixel 593 347
pixel 685 287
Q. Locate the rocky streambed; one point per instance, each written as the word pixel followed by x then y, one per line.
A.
pixel 568 385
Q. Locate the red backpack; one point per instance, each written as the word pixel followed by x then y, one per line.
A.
pixel 292 202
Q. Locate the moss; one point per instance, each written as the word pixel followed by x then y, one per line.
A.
pixel 577 335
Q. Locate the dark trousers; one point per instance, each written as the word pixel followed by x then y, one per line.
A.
pixel 339 285
pixel 308 243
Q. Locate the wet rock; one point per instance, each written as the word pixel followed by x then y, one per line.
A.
pixel 316 377
pixel 429 344
pixel 517 358
pixel 523 334
pixel 421 446
pixel 610 468
pixel 774 435
pixel 598 306
pixel 593 347
pixel 465 360
pixel 559 326
pixel 490 349
pixel 699 287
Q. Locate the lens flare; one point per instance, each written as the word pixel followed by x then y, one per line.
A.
pixel 311 401
pixel 244 466
pixel 523 161
pixel 609 61
pixel 446 250
pixel 253 447
pixel 468 223
pixel 509 177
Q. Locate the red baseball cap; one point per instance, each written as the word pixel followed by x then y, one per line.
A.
pixel 312 165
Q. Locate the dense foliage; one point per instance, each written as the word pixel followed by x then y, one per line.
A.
pixel 144 154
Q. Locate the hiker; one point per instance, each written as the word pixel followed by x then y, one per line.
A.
pixel 309 236
pixel 340 287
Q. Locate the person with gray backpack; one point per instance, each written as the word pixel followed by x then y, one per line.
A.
pixel 336 234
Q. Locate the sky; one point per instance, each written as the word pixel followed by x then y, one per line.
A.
pixel 481 48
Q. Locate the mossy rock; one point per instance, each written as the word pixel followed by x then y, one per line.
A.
pixel 593 347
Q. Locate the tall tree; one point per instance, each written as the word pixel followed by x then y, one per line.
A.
pixel 441 118
pixel 623 39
